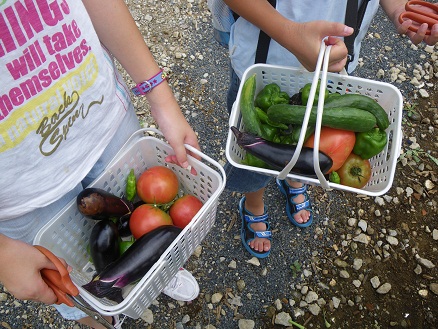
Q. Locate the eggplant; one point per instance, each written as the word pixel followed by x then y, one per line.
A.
pixel 123 226
pixel 104 244
pixel 133 264
pixel 100 204
pixel 278 155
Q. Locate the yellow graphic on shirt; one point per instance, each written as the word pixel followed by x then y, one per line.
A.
pixel 49 105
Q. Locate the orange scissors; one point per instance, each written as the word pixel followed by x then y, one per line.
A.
pixel 415 12
pixel 60 282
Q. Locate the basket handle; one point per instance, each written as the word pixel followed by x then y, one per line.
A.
pixel 323 58
pixel 140 132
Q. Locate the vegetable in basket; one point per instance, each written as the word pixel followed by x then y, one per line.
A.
pixel 278 155
pixel 104 244
pixel 355 172
pixel 362 102
pixel 131 189
pixel 370 143
pixel 305 92
pixel 100 204
pixel 347 118
pixel 271 94
pixel 137 260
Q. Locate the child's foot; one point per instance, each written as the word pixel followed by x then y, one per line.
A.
pixel 255 233
pixel 298 207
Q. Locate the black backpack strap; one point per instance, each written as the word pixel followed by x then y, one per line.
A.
pixel 353 17
pixel 263 43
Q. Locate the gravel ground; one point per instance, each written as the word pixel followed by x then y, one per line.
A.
pixel 364 263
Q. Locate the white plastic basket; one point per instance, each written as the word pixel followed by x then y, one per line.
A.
pixel 291 80
pixel 67 234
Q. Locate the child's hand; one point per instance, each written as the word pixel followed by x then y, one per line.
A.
pixel 20 271
pixel 311 34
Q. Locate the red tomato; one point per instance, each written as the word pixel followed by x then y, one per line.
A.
pixel 355 172
pixel 146 218
pixel 157 185
pixel 184 209
pixel 336 143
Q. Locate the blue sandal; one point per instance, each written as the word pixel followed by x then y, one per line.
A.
pixel 247 234
pixel 291 206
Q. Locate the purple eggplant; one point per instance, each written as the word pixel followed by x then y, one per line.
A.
pixel 278 155
pixel 100 204
pixel 133 264
pixel 104 244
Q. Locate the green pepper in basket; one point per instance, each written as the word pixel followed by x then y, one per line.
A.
pixel 271 94
pixel 370 143
pixel 131 188
pixel 305 91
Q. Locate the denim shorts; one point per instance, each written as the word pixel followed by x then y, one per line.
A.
pixel 241 180
pixel 25 227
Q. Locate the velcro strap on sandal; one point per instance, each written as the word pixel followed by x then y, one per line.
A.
pixel 263 234
pixel 256 219
pixel 300 206
pixel 298 190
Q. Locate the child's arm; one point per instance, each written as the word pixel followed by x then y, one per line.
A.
pixel 301 39
pixel 393 8
pixel 119 33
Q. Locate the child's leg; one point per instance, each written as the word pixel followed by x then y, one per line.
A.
pixel 255 205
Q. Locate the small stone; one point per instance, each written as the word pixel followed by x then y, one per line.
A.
pixel 423 293
pixel 315 309
pixel 246 324
pixel 434 288
pixel 424 262
pixel 363 225
pixel 254 261
pixel 393 241
pixel 232 265
pixel 375 282
pixel 344 274
pixel 362 238
pixel 311 297
pixel 336 301
pixel 384 288
pixel 357 263
pixel 216 298
pixel 283 319
pixel 148 316
pixel 240 285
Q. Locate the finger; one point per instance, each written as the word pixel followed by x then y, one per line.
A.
pixel 338 29
pixel 432 39
pixel 46 295
pixel 420 34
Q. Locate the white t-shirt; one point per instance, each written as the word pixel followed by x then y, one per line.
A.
pixel 244 35
pixel 61 101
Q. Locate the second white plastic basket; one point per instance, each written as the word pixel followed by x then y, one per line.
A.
pixel 291 80
pixel 67 234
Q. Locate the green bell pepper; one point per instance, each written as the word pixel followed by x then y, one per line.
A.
pixel 305 91
pixel 271 94
pixel 370 143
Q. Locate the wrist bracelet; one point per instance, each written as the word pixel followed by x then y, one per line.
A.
pixel 146 86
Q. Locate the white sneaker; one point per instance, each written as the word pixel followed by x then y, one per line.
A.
pixel 182 287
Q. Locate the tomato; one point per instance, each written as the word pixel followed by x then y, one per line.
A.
pixel 157 185
pixel 146 218
pixel 355 172
pixel 184 209
pixel 336 143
